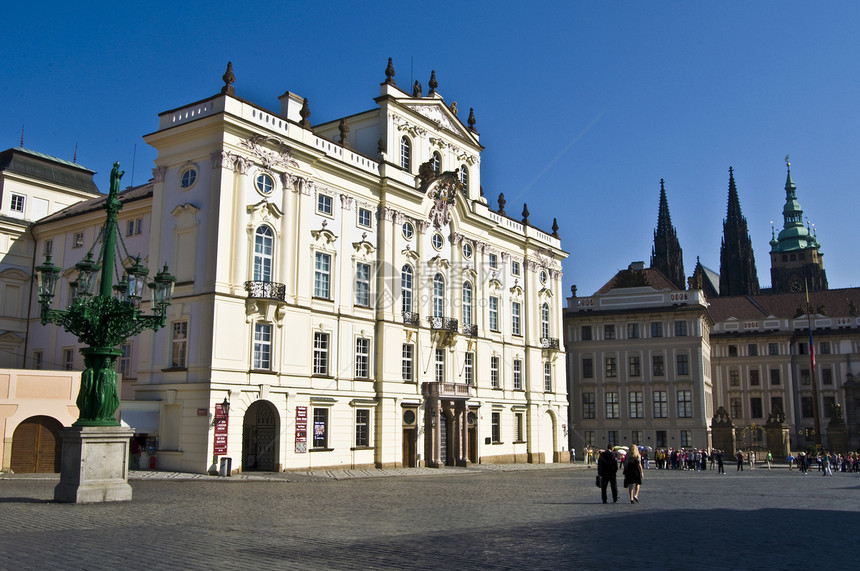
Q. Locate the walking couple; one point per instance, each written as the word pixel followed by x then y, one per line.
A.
pixel 607 468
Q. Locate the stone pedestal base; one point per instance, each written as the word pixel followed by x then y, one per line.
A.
pixel 94 465
pixel 837 439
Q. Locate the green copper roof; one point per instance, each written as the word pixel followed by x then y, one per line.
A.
pixel 794 236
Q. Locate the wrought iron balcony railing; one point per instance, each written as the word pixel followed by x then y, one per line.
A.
pixel 411 318
pixel 266 290
pixel 549 343
pixel 443 324
pixel 470 329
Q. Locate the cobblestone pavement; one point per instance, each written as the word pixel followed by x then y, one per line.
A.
pixel 487 517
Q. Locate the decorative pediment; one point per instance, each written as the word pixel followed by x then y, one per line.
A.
pixel 439 115
pixel 495 284
pixel 185 215
pixel 324 236
pixel 410 254
pixel 264 210
pixel 437 262
pixel 363 248
pixel 469 273
pixel 11 337
pixel 270 310
pixel 545 293
pixel 516 290
pixel 281 156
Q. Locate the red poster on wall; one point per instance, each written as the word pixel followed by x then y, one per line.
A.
pixel 301 429
pixel 220 431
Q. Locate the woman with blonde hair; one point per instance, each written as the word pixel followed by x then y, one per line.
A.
pixel 633 473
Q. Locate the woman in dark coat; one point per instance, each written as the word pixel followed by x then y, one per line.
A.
pixel 633 473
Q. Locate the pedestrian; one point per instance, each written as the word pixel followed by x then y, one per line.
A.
pixel 573 454
pixel 589 456
pixel 720 468
pixel 633 473
pixel 740 458
pixel 607 468
pixel 790 461
pixel 825 461
pixel 752 459
pixel 769 460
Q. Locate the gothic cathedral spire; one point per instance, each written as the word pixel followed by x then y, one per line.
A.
pixel 666 254
pixel 737 262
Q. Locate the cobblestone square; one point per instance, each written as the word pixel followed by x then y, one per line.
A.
pixel 476 518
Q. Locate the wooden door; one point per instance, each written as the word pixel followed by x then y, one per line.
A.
pixel 36 446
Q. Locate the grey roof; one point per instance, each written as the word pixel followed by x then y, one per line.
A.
pixel 47 168
pixel 93 204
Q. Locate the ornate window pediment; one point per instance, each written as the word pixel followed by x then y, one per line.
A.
pixel 281 156
pixel 439 263
pixel 324 236
pixel 516 290
pixel 263 210
pixel 363 248
pixel 495 284
pixel 410 254
pixel 470 274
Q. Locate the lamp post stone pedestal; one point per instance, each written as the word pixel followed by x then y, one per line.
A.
pixel 94 465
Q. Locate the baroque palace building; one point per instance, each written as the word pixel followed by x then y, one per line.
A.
pixel 652 363
pixel 344 287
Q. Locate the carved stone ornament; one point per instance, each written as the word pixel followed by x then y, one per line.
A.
pixel 721 417
pixel 280 157
pixel 435 114
pixel 443 191
pixel 404 125
pixel 264 210
pixel 158 173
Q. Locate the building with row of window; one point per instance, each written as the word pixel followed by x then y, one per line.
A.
pixel 345 287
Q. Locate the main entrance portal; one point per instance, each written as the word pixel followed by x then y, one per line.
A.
pixel 260 437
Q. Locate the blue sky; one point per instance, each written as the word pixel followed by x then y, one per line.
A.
pixel 582 106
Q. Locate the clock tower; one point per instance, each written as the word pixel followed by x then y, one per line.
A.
pixel 795 254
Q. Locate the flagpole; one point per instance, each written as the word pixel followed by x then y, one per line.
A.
pixel 813 378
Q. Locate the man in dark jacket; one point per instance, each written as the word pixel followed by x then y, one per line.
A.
pixel 607 467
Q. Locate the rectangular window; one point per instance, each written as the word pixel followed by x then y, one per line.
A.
pixel 408 356
pixel 734 378
pixel 123 363
pixel 469 368
pixel 733 350
pixel 515 318
pixel 636 437
pixel 496 427
pixel 262 346
pixel 685 404
pixel 588 406
pixel 754 378
pixel 612 407
pixel 68 359
pixel 633 331
pixel 494 372
pixel 324 204
pixel 735 408
pixel 362 358
pixel 776 403
pixel 680 329
pixel 362 427
pixel 519 434
pixel 774 377
pixel 824 348
pixel 686 438
pixel 756 409
pixel 611 367
pixel 805 379
pixel 586 332
pixel 322 275
pixel 752 349
pixel 773 349
pixel 609 331
pixel 364 218
pixel 635 366
pixel 587 368
pixel 657 366
pixel 78 240
pixel 515 267
pixel 547 377
pixel 826 376
pixel 321 428
pixel 661 404
pixel 320 353
pixel 518 375
pixel 362 285
pixel 179 345
pixel 17 204
pixel 637 409
pixel 801 348
pixel 589 437
pixel 806 407
pixel 494 313
pixel 656 329
pixel 612 437
pixel 134 227
pixel 683 364
pixel 38 358
pixel 493 261
pixel 440 365
pixel 660 439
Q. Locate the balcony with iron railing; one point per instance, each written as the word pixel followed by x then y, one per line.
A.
pixel 448 390
pixel 448 324
pixel 549 343
pixel 266 290
pixel 411 318
pixel 470 329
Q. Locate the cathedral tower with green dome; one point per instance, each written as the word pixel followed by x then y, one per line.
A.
pixel 795 254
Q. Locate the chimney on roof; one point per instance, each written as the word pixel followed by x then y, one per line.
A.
pixel 636 266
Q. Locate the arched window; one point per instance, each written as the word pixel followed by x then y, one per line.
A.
pixel 463 175
pixel 264 241
pixel 544 321
pixel 405 154
pixel 467 303
pixel 438 296
pixel 436 163
pixel 406 276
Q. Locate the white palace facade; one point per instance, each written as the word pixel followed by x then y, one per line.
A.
pixel 344 287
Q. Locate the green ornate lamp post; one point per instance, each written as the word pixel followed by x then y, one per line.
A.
pixel 104 320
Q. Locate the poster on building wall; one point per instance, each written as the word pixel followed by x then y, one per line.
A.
pixel 301 429
pixel 220 431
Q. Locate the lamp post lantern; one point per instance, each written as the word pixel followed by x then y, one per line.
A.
pixel 105 319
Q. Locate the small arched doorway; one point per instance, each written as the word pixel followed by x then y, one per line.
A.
pixel 547 437
pixel 260 437
pixel 36 445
